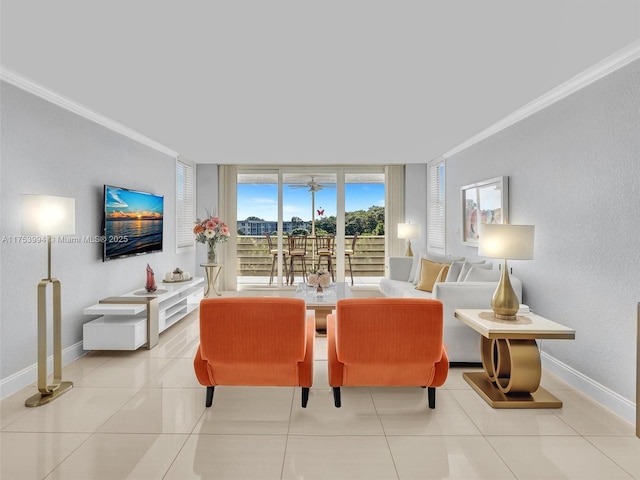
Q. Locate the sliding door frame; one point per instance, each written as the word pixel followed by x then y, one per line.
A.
pixel 394 208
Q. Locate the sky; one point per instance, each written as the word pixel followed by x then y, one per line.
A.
pixel 262 200
pixel 122 203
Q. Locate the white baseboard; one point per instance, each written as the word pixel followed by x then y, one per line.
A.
pixel 597 392
pixel 29 375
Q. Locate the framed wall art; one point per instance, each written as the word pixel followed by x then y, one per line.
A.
pixel 483 202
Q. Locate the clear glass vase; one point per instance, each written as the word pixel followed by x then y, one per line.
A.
pixel 212 255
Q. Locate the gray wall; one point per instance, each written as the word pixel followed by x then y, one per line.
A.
pixel 48 150
pixel 415 201
pixel 574 173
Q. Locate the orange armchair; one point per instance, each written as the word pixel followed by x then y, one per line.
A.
pixel 254 341
pixel 386 342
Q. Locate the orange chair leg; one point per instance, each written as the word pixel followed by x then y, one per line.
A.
pixel 431 393
pixel 305 396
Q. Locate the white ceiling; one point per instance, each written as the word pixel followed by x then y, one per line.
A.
pixel 301 82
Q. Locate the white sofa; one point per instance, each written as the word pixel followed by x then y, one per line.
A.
pixel 463 343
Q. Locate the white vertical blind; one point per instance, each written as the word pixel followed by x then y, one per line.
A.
pixel 436 206
pixel 185 204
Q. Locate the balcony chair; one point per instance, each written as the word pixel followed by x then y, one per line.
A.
pixel 273 250
pixel 255 341
pixel 297 250
pixel 386 342
pixel 349 252
pixel 325 250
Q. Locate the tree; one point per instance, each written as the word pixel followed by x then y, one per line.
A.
pixel 370 222
pixel 254 218
pixel 327 225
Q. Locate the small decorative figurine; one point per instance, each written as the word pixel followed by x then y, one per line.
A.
pixel 151 282
pixel 177 274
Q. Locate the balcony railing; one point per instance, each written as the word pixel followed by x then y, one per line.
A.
pixel 254 259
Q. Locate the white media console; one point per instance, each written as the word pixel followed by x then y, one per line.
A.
pixel 137 318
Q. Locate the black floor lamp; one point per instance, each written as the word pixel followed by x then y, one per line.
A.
pixel 44 215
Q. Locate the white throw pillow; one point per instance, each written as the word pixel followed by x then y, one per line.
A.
pixel 414 273
pixel 454 271
pixel 467 266
pixel 482 275
pixel 434 257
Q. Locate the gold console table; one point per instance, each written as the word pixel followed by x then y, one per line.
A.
pixel 511 359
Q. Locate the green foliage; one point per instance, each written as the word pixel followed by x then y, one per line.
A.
pixel 369 222
pixel 365 222
pixel 327 225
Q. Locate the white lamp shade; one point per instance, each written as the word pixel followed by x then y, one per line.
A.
pixel 47 215
pixel 511 242
pixel 408 230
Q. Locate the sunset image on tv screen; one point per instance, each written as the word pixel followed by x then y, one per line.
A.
pixel 133 222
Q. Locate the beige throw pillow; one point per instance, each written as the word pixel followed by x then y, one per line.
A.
pixel 429 273
pixel 442 276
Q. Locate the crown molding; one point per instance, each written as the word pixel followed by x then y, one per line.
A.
pixel 609 65
pixel 38 90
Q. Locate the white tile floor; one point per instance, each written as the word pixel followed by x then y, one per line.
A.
pixel 141 415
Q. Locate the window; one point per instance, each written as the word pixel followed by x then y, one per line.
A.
pixel 436 206
pixel 185 205
pixel 325 200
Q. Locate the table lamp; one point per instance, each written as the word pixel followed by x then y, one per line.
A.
pixel 509 242
pixel 47 215
pixel 408 231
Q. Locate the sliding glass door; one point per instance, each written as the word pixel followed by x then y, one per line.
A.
pixel 344 203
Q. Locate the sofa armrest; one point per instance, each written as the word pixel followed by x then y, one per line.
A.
pixel 400 268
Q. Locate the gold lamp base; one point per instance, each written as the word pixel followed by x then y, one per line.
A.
pixel 58 387
pixel 409 251
pixel 43 398
pixel 505 303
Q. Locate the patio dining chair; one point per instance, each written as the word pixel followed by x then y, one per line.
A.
pixel 325 250
pixel 349 252
pixel 297 250
pixel 273 250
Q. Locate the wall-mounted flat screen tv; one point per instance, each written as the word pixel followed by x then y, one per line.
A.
pixel 133 222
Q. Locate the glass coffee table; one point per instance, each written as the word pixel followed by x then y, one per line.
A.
pixel 322 303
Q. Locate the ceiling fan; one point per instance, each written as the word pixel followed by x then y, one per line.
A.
pixel 313 187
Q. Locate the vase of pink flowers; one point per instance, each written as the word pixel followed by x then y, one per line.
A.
pixel 211 231
pixel 320 279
